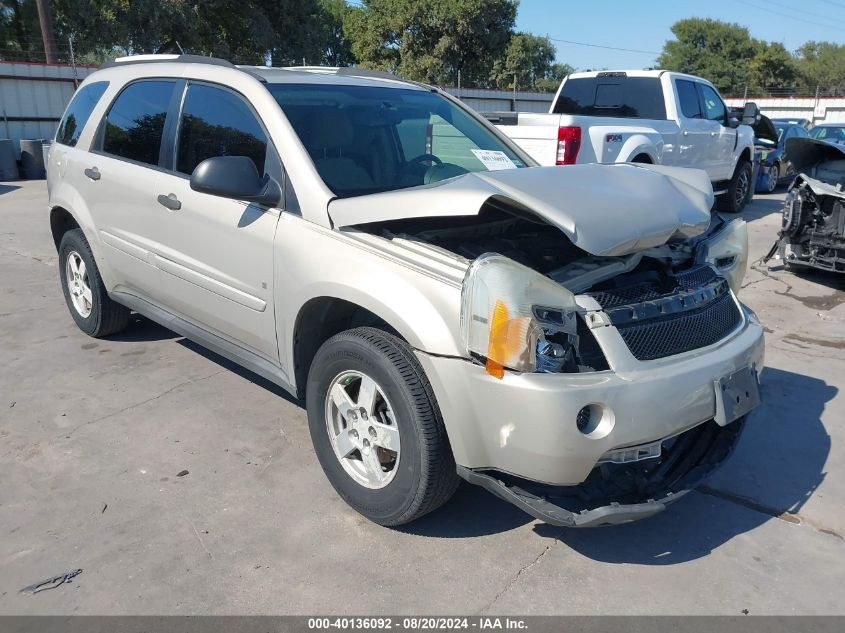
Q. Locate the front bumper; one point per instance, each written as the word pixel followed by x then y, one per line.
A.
pixel 621 493
pixel 524 425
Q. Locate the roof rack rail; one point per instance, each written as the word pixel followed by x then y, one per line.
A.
pixel 159 58
pixel 353 71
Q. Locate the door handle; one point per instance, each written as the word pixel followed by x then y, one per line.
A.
pixel 170 201
pixel 93 173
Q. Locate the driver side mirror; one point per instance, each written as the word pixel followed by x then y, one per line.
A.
pixel 235 177
pixel 750 114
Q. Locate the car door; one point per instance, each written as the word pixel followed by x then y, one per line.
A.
pixel 719 147
pixel 216 254
pixel 120 174
pixel 695 131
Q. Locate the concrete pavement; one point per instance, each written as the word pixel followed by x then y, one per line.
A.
pixel 94 432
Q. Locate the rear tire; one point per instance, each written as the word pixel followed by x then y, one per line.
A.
pixel 87 299
pixel 415 469
pixel 739 191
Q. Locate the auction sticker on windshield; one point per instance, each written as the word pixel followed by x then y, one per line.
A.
pixel 493 160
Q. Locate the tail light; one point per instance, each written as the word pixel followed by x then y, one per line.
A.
pixel 568 144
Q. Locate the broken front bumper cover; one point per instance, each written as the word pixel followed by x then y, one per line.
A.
pixel 620 493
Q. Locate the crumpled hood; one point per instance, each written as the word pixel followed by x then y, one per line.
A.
pixel 604 209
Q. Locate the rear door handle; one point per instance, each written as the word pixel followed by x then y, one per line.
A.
pixel 93 173
pixel 170 201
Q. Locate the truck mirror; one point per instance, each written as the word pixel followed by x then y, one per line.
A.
pixel 750 114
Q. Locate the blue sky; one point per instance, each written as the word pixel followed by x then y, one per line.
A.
pixel 645 25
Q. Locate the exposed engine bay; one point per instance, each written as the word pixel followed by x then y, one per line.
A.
pixel 663 300
pixel 813 225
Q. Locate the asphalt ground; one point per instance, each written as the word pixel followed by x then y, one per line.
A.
pixel 93 434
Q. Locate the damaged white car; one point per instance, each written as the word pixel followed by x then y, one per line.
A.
pixel 812 231
pixel 570 338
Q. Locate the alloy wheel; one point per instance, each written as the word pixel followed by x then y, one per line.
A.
pixel 78 285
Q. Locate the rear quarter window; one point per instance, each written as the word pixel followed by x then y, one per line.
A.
pixel 612 96
pixel 79 111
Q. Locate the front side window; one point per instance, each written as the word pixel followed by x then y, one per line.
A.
pixel 367 139
pixel 217 122
pixel 135 123
pixel 79 111
pixel 714 107
pixel 688 98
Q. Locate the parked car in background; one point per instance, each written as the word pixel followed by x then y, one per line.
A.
pixel 642 116
pixel 813 226
pixel 776 168
pixel 804 123
pixel 446 307
pixel 830 132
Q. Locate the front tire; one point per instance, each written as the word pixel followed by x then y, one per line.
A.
pixel 377 429
pixel 87 299
pixel 739 191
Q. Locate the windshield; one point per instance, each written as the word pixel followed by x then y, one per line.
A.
pixel 829 133
pixel 367 139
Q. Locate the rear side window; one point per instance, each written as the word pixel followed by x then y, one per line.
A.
pixel 217 122
pixel 79 111
pixel 688 98
pixel 135 123
pixel 612 96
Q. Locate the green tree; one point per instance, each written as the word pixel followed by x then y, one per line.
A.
pixel 431 41
pixel 528 58
pixel 551 82
pixel 822 65
pixel 718 51
pixel 771 68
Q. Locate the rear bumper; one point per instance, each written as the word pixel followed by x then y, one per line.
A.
pixel 619 493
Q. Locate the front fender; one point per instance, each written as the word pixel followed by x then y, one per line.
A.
pixel 312 262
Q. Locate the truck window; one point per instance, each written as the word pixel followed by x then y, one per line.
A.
pixel 79 111
pixel 135 122
pixel 714 107
pixel 612 96
pixel 688 98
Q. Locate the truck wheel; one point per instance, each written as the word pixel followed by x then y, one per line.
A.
pixel 739 191
pixel 89 303
pixel 377 429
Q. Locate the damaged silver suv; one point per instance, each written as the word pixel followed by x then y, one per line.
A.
pixel 569 338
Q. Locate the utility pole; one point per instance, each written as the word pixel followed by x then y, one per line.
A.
pixel 45 17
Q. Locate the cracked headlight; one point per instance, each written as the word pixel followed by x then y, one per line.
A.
pixel 501 304
pixel 727 250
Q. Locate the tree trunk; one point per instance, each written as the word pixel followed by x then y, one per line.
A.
pixel 45 17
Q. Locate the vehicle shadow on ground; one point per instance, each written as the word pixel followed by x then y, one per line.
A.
pixel 828 279
pixel 7 188
pixel 758 208
pixel 142 330
pixel 776 468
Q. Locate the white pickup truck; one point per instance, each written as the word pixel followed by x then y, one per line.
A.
pixel 642 116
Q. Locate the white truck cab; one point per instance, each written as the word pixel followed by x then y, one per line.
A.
pixel 644 116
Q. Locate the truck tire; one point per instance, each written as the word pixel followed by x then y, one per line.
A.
pixel 739 191
pixel 90 305
pixel 377 429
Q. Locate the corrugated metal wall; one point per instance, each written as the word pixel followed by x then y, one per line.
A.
pixel 503 100
pixel 821 110
pixel 33 98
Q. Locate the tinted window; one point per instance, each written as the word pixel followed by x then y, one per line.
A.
pixel 688 98
pixel 217 122
pixel 714 107
pixel 79 111
pixel 635 97
pixel 135 122
pixel 365 139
